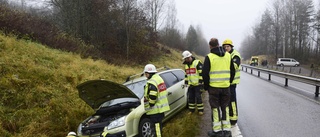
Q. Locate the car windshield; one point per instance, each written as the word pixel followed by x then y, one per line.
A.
pixel 137 87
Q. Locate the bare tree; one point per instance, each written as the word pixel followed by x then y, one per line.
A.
pixel 170 35
pixel 155 11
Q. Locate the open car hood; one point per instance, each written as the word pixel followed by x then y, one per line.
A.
pixel 96 92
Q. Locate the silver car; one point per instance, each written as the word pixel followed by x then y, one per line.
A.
pixel 120 108
pixel 287 62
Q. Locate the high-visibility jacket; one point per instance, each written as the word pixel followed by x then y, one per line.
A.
pixel 236 79
pixel 193 75
pixel 219 70
pixel 161 103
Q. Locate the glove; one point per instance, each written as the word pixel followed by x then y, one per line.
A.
pixel 201 87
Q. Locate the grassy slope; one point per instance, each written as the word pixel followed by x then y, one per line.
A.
pixel 38 95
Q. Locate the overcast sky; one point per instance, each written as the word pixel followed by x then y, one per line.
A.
pixel 221 18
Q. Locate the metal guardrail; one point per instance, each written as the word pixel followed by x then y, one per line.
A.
pixel 303 79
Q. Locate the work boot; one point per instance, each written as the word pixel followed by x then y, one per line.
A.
pixel 200 113
pixel 226 133
pixel 215 134
pixel 190 113
pixel 233 122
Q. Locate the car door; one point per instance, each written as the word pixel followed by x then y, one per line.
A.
pixel 180 88
pixel 174 86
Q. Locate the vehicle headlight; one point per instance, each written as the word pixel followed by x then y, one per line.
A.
pixel 117 123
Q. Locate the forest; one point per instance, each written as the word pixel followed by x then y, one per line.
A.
pixel 288 28
pixel 118 31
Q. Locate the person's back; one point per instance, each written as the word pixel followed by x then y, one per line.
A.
pixel 216 77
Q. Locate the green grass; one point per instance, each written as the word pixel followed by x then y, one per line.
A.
pixel 38 95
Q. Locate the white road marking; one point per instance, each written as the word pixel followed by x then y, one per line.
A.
pixel 235 131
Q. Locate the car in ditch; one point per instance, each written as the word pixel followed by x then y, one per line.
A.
pixel 119 108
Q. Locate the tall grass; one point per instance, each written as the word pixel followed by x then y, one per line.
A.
pixel 38 95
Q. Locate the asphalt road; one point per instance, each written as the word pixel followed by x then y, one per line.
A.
pixel 268 109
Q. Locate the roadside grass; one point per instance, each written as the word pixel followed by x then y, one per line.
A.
pixel 182 125
pixel 38 95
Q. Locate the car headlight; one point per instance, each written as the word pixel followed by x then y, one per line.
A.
pixel 117 123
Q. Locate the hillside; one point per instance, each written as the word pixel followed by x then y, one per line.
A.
pixel 38 95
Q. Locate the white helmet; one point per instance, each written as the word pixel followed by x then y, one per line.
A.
pixel 72 133
pixel 150 68
pixel 186 54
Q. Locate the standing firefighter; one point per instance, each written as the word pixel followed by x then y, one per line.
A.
pixel 193 78
pixel 236 60
pixel 155 98
pixel 216 78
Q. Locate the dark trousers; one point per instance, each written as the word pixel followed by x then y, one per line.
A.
pixel 156 119
pixel 219 98
pixel 233 108
pixel 194 98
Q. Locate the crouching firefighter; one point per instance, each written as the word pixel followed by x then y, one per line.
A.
pixel 155 98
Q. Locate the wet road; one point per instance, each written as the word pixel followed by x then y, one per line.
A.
pixel 267 109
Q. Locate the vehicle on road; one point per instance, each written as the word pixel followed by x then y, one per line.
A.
pixel 287 62
pixel 254 61
pixel 119 108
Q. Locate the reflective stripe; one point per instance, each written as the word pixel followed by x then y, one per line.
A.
pixel 192 74
pixel 220 72
pixel 200 106
pixel 236 79
pixel 161 104
pixel 216 126
pixel 191 105
pixel 158 129
pixel 216 123
pixel 226 125
pixel 219 79
pixel 234 111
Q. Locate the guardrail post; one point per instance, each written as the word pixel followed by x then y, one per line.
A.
pixel 286 83
pixel 290 70
pixel 311 73
pixel 269 78
pixel 258 73
pixel 246 69
pixel 251 71
pixel 317 91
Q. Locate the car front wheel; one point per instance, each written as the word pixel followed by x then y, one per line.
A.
pixel 145 128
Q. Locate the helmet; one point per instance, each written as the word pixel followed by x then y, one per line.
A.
pixel 227 42
pixel 72 133
pixel 150 68
pixel 186 54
